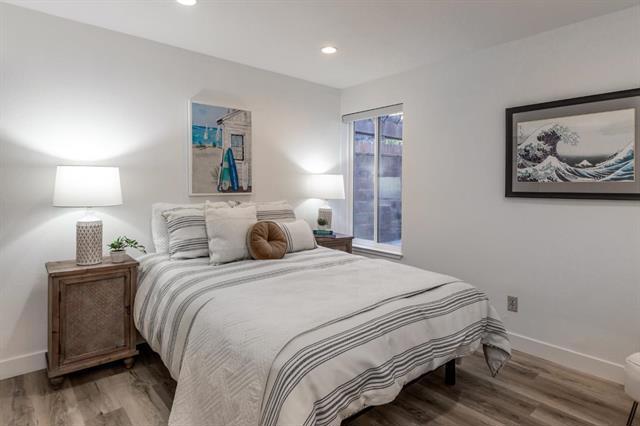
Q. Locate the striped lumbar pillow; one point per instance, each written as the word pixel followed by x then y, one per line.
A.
pixel 187 233
pixel 281 212
pixel 277 211
pixel 299 236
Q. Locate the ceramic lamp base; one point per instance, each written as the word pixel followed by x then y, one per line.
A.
pixel 89 241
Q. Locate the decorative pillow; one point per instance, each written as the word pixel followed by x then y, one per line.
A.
pixel 159 232
pixel 227 231
pixel 266 240
pixel 299 236
pixel 279 211
pixel 187 233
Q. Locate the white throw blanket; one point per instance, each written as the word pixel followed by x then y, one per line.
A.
pixel 297 340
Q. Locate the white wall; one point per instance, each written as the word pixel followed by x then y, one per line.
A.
pixel 75 94
pixel 575 265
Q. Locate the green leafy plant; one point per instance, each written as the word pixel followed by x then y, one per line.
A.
pixel 322 221
pixel 121 243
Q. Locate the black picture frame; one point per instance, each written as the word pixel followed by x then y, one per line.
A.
pixel 509 163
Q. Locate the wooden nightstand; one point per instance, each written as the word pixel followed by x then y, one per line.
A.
pixel 90 318
pixel 339 242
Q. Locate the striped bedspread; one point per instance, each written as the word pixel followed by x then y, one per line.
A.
pixel 306 340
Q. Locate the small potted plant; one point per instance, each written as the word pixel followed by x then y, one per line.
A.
pixel 117 248
pixel 322 223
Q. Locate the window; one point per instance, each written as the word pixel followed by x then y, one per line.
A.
pixel 237 146
pixel 376 195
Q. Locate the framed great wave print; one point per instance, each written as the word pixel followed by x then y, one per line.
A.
pixel 219 150
pixel 585 147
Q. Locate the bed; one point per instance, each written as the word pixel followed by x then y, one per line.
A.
pixel 309 339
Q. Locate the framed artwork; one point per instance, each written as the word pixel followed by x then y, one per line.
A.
pixel 583 147
pixel 219 150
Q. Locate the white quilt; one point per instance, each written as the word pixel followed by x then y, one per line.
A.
pixel 306 340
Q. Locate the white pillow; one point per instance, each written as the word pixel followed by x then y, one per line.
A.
pixel 187 233
pixel 299 236
pixel 159 232
pixel 227 232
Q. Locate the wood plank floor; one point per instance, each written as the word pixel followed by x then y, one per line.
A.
pixel 529 391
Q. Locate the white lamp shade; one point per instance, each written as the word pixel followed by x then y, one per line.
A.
pixel 326 187
pixel 87 186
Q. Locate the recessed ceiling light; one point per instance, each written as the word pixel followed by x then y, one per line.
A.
pixel 328 50
pixel 187 2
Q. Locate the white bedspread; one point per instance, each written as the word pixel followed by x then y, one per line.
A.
pixel 309 339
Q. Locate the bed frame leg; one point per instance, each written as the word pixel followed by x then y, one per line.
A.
pixel 634 408
pixel 450 373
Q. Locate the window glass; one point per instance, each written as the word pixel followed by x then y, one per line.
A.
pixel 363 179
pixel 390 179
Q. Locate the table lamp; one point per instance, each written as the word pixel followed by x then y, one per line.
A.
pixel 326 187
pixel 87 186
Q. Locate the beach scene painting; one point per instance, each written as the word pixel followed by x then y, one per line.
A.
pixel 220 150
pixel 586 148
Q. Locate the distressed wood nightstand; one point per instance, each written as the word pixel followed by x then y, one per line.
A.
pixel 338 242
pixel 90 318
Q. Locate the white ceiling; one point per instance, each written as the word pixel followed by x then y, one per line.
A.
pixel 374 38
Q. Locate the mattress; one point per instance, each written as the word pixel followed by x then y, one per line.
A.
pixel 309 339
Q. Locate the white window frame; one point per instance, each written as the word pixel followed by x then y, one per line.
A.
pixel 366 246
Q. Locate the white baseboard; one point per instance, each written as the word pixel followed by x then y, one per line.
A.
pixel 22 364
pixel 568 358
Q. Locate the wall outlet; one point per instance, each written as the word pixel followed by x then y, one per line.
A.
pixel 512 303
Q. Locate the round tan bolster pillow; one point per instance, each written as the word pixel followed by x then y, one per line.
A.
pixel 265 240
